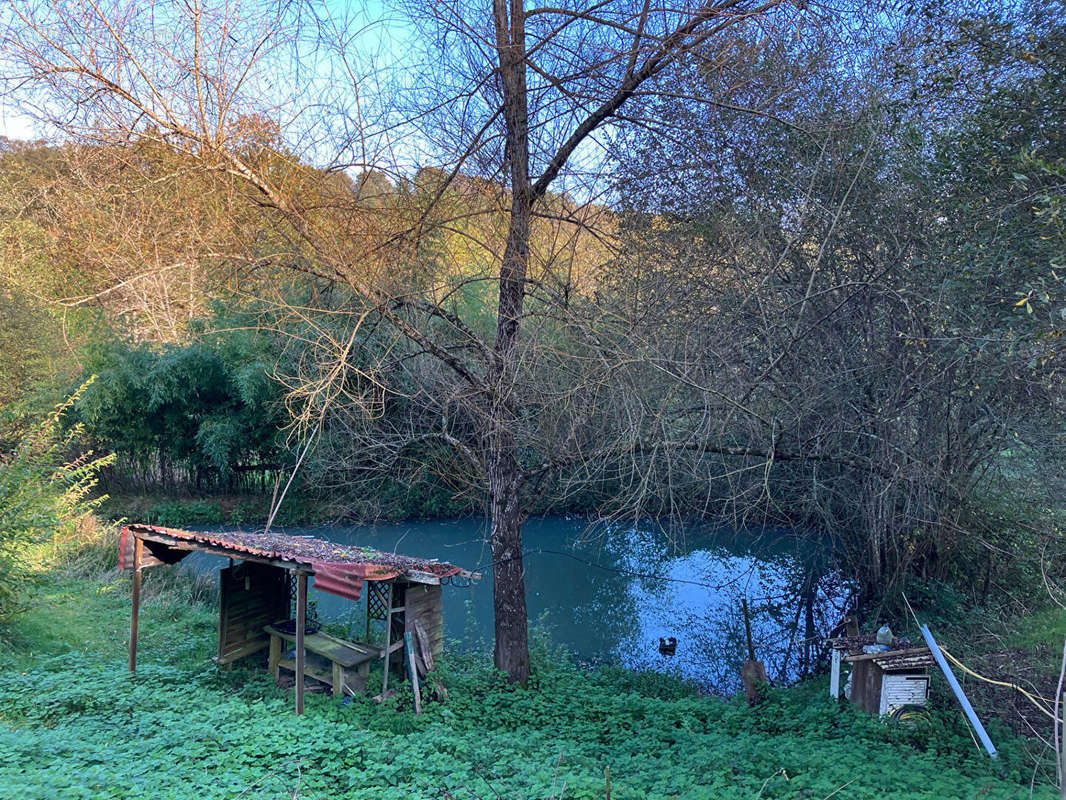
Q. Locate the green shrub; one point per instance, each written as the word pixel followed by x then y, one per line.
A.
pixel 187 415
pixel 178 514
pixel 43 496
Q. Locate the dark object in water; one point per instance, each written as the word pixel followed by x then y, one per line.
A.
pixel 289 627
pixel 667 645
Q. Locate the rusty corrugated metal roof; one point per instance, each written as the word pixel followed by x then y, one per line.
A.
pixel 338 569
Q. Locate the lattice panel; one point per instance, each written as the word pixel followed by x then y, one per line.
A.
pixel 312 620
pixel 378 599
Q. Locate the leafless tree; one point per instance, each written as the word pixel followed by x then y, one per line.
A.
pixel 824 361
pixel 525 98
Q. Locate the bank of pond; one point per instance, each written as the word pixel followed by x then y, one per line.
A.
pixel 608 715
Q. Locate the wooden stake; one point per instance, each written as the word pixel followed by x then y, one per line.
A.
pixel 138 546
pixel 753 672
pixel 412 669
pixel 834 676
pixel 301 619
pixel 747 629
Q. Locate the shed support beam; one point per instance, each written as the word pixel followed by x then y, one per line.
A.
pixel 301 619
pixel 138 548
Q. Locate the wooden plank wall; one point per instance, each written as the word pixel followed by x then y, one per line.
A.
pixel 866 686
pixel 250 596
pixel 424 605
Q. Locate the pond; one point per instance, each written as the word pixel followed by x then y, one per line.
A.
pixel 610 594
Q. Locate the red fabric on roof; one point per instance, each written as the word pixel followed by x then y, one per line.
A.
pixel 337 569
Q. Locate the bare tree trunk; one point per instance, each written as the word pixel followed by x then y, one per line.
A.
pixel 808 624
pixel 509 582
pixel 504 475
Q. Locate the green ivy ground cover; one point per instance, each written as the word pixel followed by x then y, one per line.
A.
pixel 75 724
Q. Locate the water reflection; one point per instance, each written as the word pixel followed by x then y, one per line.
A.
pixel 608 594
pixel 698 601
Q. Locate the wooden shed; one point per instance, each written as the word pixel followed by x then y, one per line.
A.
pixel 268 575
pixel 882 682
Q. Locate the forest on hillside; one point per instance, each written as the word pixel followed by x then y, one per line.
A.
pixel 768 265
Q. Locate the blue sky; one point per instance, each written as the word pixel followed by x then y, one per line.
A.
pixel 323 122
pixel 386 37
pixel 13 125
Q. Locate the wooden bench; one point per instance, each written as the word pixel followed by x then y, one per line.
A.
pixel 341 664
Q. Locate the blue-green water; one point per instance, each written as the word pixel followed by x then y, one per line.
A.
pixel 608 594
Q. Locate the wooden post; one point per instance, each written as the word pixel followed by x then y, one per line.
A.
pixel 412 669
pixel 747 629
pixel 138 547
pixel 753 672
pixel 337 677
pixel 301 619
pixel 851 625
pixel 275 656
pixel 834 676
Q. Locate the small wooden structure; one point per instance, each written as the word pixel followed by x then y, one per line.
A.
pixel 882 682
pixel 268 571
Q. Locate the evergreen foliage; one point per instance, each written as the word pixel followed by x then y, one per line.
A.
pixel 188 414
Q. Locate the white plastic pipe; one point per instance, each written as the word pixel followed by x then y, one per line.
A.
pixel 959 694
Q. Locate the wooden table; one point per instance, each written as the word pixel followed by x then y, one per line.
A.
pixel 343 665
